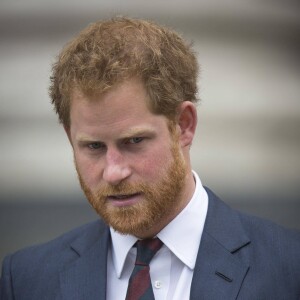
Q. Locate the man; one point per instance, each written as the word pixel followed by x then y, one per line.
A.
pixel 125 92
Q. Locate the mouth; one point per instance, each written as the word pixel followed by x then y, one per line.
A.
pixel 124 199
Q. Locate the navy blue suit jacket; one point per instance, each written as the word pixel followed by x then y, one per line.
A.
pixel 240 257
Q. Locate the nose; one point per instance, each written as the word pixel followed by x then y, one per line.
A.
pixel 116 168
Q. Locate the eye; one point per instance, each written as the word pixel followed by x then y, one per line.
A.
pixel 95 145
pixel 135 140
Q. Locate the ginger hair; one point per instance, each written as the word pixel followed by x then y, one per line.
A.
pixel 109 52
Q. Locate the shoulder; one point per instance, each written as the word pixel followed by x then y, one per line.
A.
pixel 267 240
pixel 256 228
pixel 263 230
pixel 52 255
pixel 40 265
pixel 271 251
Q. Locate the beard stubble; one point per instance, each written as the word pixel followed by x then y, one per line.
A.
pixel 160 200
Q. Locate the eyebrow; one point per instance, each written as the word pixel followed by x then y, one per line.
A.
pixel 137 132
pixel 82 138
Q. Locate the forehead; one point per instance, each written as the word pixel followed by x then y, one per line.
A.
pixel 123 106
pixel 127 93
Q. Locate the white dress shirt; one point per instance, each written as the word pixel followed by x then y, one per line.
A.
pixel 171 269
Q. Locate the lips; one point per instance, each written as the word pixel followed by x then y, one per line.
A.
pixel 120 197
pixel 124 199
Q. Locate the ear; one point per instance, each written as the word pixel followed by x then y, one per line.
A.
pixel 187 121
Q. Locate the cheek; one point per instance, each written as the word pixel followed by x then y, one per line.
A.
pixel 153 164
pixel 89 170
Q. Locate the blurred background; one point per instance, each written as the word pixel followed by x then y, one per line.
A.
pixel 248 141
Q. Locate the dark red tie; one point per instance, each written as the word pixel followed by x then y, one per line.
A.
pixel 139 286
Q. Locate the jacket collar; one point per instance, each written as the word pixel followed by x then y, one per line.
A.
pixel 221 264
pixel 85 277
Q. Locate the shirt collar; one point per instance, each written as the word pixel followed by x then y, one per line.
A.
pixel 182 235
pixel 121 245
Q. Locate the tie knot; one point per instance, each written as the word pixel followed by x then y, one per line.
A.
pixel 146 249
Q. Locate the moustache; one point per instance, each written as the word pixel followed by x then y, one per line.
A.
pixel 122 188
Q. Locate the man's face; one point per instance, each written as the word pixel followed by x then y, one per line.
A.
pixel 130 165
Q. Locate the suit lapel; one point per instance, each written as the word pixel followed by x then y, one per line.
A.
pixel 219 272
pixel 85 278
pixel 222 262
